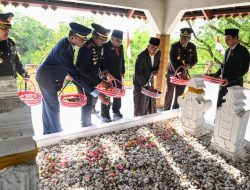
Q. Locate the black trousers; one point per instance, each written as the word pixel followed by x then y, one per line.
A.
pixel 86 110
pixel 223 91
pixel 117 103
pixel 170 92
pixel 143 104
pixel 94 102
pixel 116 106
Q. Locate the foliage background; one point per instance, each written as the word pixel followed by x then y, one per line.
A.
pixel 35 40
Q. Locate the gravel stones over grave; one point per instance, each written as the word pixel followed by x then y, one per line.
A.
pixel 153 156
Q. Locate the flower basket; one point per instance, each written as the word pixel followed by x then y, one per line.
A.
pixel 113 90
pixel 151 92
pixel 29 97
pixel 213 79
pixel 72 100
pixel 179 78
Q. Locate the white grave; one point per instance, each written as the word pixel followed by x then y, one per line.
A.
pixel 231 123
pixel 16 129
pixel 16 139
pixel 193 107
pixel 20 177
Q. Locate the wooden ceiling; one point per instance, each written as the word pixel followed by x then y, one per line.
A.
pixel 123 12
pixel 217 13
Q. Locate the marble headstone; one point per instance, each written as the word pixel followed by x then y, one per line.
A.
pixel 16 141
pixel 231 123
pixel 193 107
pixel 16 128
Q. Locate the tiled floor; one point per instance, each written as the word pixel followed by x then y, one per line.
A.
pixel 70 117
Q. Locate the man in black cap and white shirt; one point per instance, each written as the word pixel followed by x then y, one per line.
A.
pixel 88 64
pixel 235 64
pixel 182 53
pixel 10 63
pixel 147 63
pixel 113 63
pixel 52 72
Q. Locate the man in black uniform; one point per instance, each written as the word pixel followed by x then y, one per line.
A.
pixel 182 53
pixel 235 64
pixel 52 72
pixel 10 63
pixel 88 64
pixel 146 65
pixel 113 63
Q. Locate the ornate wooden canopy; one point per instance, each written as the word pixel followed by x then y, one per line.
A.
pixel 125 12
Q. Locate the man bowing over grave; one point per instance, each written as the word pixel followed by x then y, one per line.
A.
pixel 52 72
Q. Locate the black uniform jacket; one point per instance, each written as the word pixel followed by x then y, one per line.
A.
pixel 9 60
pixel 88 61
pixel 180 55
pixel 58 64
pixel 236 66
pixel 144 68
pixel 113 62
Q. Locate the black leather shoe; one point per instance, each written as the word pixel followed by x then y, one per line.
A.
pixel 165 109
pixel 118 115
pixel 106 119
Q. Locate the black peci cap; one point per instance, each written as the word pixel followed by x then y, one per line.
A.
pixel 80 30
pixel 154 41
pixel 232 32
pixel 117 34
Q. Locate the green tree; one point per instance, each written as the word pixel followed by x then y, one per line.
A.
pixel 29 36
pixel 44 49
pixel 61 31
pixel 205 37
pixel 138 43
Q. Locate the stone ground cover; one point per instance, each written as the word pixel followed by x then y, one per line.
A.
pixel 153 156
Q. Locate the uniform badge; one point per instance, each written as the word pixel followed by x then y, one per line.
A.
pixel 179 57
pixel 190 50
pixel 9 18
pixel 1 60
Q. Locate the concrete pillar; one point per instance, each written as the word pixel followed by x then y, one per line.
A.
pixel 193 107
pixel 230 124
pixel 160 78
pixel 16 142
